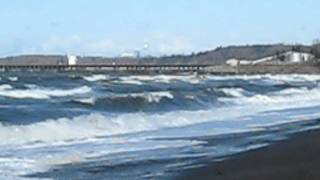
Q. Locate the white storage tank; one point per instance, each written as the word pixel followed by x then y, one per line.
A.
pixel 298 57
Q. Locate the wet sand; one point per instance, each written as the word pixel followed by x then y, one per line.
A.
pixel 297 158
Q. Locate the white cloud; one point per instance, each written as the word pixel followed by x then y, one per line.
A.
pixel 77 45
pixel 158 44
pixel 175 46
pixel 162 43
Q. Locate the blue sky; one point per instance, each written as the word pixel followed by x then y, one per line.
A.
pixel 111 27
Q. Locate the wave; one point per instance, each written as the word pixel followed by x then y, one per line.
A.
pixel 297 96
pixel 240 103
pixel 97 77
pixel 152 96
pixel 5 87
pixel 128 81
pixel 86 101
pixel 35 92
pixel 85 126
pixel 282 78
pixel 267 79
pixel 97 124
pixel 194 79
pixel 139 80
pixel 233 92
pixel 13 78
pixel 149 97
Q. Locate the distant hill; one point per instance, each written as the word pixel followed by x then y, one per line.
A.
pixel 222 54
pixel 218 56
pixel 34 59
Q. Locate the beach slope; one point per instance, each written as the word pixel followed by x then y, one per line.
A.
pixel 297 158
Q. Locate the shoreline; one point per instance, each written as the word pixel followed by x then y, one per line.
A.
pixel 293 158
pixel 170 69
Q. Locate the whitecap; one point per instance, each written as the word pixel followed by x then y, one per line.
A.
pixel 13 78
pixel 139 80
pixel 153 96
pixel 97 77
pixel 97 124
pixel 35 92
pixel 234 92
pixel 87 101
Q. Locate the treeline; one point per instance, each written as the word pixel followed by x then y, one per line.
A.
pixel 249 52
pixel 217 56
pixel 315 50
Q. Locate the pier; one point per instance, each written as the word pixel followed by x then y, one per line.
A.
pixel 167 68
pixel 109 67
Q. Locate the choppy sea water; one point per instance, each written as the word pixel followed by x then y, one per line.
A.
pixel 97 126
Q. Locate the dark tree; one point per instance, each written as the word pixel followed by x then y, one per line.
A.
pixel 315 50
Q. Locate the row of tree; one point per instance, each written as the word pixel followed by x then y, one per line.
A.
pixel 315 50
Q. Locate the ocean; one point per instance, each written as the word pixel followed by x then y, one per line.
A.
pixel 108 126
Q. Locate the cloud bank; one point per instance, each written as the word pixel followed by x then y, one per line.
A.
pixel 159 44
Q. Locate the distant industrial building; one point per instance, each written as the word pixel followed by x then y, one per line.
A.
pixel 290 57
pixel 72 60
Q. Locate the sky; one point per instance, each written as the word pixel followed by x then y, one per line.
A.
pixel 156 27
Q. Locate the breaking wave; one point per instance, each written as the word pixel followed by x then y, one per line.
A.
pixel 35 92
pixel 149 97
pixel 97 77
pixel 195 79
pixel 13 78
pixel 86 101
pixel 233 92
pixel 133 102
pixel 140 80
pixel 164 78
pixel 284 78
pixel 112 121
pixel 93 125
pixel 97 124
pixel 297 96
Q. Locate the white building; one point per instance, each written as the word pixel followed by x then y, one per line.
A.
pixel 72 60
pixel 297 57
pixel 289 57
pixel 233 62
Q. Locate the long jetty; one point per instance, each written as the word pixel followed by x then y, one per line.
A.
pixel 109 67
pixel 168 68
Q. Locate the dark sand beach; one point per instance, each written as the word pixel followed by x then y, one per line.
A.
pixel 297 158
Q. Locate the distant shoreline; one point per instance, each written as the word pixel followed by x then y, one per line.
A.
pixel 250 59
pixel 218 56
pixel 311 68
